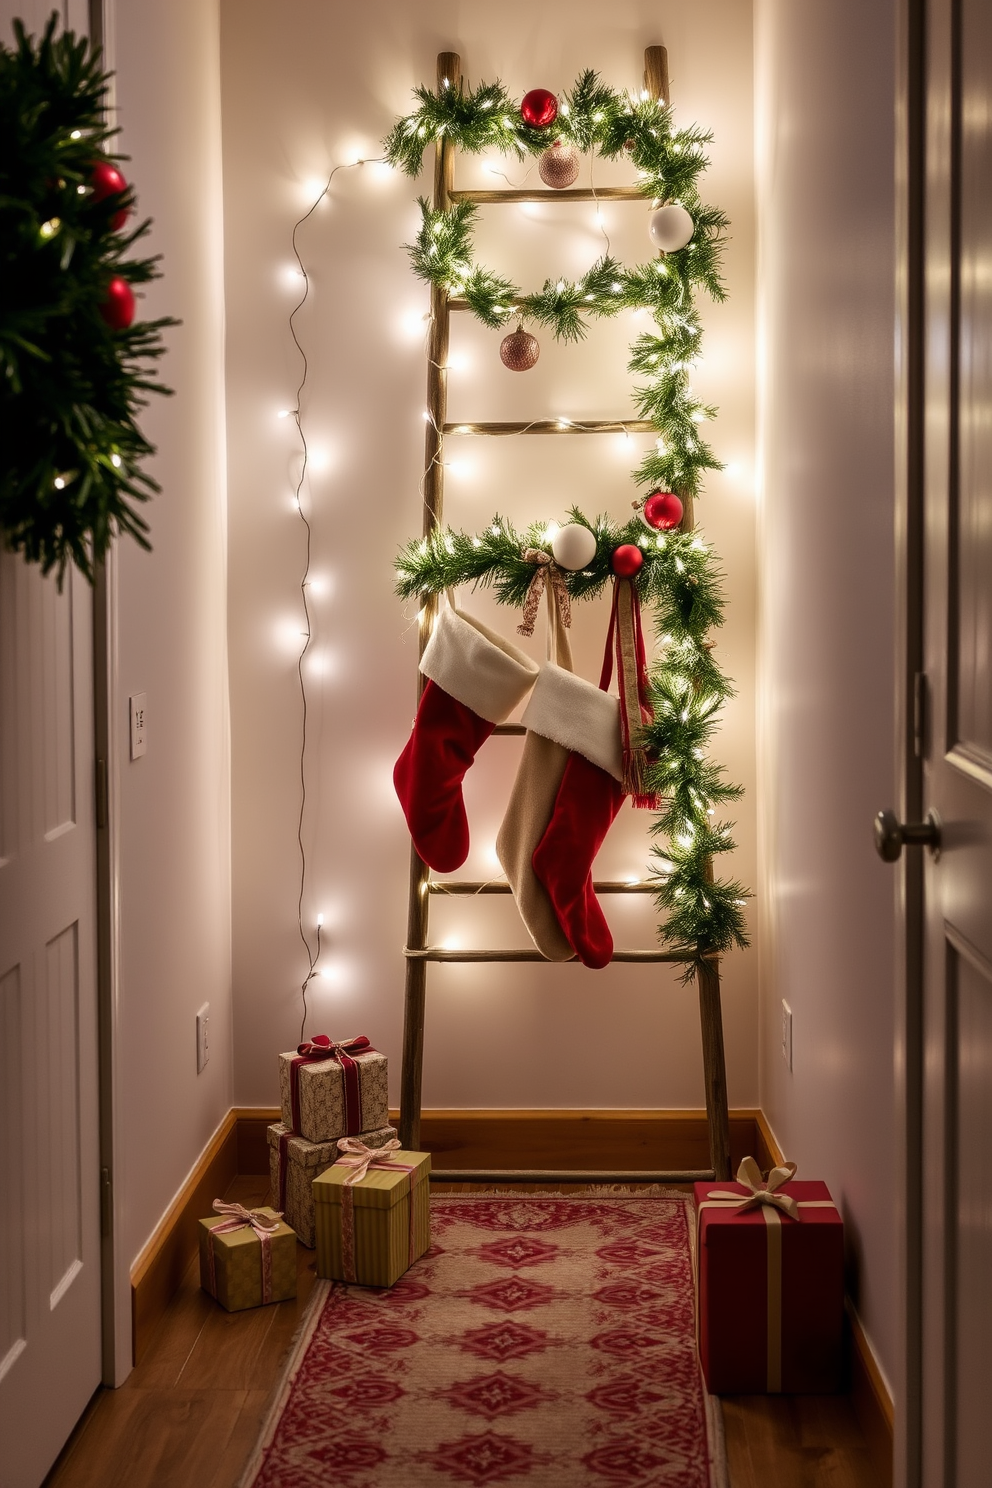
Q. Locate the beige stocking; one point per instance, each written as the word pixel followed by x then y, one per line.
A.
pixel 532 800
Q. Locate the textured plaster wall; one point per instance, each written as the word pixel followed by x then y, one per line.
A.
pixel 825 92
pixel 174 804
pixel 305 86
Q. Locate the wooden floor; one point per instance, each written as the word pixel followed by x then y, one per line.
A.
pixel 189 1414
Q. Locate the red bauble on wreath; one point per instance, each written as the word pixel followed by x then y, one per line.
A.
pixel 662 511
pixel 106 180
pixel 626 560
pixel 118 307
pixel 539 108
pixel 519 350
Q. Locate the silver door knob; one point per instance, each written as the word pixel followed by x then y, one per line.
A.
pixel 891 834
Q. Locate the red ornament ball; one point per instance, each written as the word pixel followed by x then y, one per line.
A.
pixel 662 511
pixel 118 308
pixel 539 108
pixel 519 351
pixel 559 165
pixel 106 180
pixel 626 560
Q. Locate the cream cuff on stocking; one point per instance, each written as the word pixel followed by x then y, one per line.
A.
pixel 578 715
pixel 477 667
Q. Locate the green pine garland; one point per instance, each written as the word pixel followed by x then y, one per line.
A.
pixel 679 578
pixel 70 388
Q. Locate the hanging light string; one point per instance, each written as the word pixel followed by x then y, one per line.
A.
pixel 312 951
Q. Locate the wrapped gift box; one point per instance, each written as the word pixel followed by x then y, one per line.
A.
pixel 371 1231
pixel 293 1165
pixel 237 1273
pixel 770 1292
pixel 325 1096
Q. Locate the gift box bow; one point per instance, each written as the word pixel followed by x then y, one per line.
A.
pixel 772 1204
pixel 239 1218
pixel 322 1047
pixel 357 1157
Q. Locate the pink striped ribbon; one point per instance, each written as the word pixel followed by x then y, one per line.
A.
pixel 359 1159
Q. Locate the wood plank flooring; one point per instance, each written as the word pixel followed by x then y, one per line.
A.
pixel 190 1412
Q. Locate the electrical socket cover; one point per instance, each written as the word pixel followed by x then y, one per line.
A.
pixel 787 1033
pixel 138 711
pixel 202 1037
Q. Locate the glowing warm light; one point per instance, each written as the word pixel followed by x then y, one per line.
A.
pixel 284 413
pixel 291 276
pixel 115 460
pixel 59 483
pixel 551 531
pixel 314 187
pixel 320 920
pixel 319 458
pixel 76 134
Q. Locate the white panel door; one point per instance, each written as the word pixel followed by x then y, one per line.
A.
pixel 50 1358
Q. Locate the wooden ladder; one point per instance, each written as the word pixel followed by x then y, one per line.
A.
pixel 419 953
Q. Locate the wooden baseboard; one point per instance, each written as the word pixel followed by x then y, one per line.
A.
pixel 872 1402
pixel 158 1270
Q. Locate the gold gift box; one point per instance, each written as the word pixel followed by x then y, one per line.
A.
pixel 382 1217
pixel 238 1263
pixel 304 1160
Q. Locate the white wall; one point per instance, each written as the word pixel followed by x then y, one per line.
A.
pixel 825 89
pixel 305 86
pixel 174 804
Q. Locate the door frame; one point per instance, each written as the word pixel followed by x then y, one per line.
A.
pixel 115 1270
pixel 910 702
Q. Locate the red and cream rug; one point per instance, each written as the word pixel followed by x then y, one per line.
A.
pixel 543 1341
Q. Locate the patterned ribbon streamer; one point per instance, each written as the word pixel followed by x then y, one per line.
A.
pixel 359 1158
pixel 625 641
pixel 264 1226
pixel 546 572
pixel 321 1047
pixel 772 1205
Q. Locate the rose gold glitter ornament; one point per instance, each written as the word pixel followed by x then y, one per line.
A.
pixel 559 165
pixel 519 350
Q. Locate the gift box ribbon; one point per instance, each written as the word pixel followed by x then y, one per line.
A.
pixel 321 1047
pixel 359 1158
pixel 773 1205
pixel 264 1226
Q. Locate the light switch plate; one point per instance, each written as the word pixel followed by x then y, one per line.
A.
pixel 787 1033
pixel 202 1037
pixel 138 708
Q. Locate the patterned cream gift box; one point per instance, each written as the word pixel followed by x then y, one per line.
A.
pixel 373 1214
pixel 247 1257
pixel 334 1088
pixel 293 1165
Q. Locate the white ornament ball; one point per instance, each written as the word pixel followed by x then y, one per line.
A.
pixel 574 546
pixel 670 228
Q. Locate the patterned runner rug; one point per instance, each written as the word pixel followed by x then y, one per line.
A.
pixel 543 1341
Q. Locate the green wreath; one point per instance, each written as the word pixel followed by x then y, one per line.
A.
pixel 678 577
pixel 70 384
pixel 593 117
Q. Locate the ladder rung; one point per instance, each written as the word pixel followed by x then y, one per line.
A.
pixel 553 426
pixel 435 953
pixel 607 886
pixel 573 193
pixel 570 1175
pixel 509 728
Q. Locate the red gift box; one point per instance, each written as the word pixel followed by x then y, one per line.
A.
pixel 769 1287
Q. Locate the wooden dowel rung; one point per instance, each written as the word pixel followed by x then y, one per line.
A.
pixel 435 953
pixel 607 886
pixel 509 728
pixel 553 426
pixel 537 194
pixel 570 1175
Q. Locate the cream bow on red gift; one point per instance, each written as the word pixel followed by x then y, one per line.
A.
pixel 749 1176
pixel 359 1158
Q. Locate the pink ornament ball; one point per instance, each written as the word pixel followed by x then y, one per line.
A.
pixel 558 167
pixel 626 560
pixel 539 108
pixel 662 511
pixel 106 180
pixel 519 351
pixel 118 308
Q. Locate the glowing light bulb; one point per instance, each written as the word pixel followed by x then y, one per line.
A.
pixel 115 460
pixel 320 919
pixel 76 134
pixel 284 413
pixel 59 483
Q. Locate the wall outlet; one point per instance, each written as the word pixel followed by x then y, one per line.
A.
pixel 202 1037
pixel 787 1033
pixel 138 709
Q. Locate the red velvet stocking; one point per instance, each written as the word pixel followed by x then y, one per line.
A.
pixel 428 777
pixel 587 802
